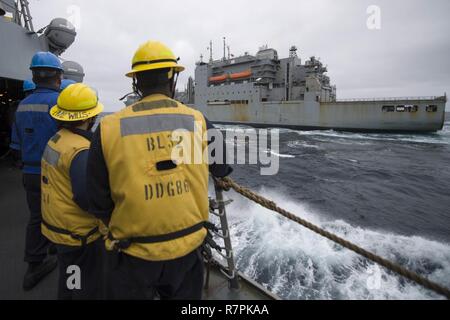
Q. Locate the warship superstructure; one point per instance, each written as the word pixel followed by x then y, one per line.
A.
pixel 19 42
pixel 264 90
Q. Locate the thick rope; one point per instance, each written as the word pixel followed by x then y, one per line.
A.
pixel 227 183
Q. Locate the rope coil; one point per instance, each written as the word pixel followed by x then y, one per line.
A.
pixel 227 184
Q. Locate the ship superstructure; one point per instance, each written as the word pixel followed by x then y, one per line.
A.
pixel 19 41
pixel 264 90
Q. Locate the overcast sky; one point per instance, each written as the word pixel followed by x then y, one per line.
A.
pixel 408 56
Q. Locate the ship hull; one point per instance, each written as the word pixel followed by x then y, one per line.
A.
pixel 311 128
pixel 427 115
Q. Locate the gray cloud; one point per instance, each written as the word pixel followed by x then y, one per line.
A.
pixel 407 57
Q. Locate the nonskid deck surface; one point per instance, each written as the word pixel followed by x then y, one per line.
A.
pixel 218 288
pixel 14 216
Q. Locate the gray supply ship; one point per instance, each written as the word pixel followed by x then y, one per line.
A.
pixel 264 90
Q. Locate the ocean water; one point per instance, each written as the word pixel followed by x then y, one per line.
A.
pixel 389 193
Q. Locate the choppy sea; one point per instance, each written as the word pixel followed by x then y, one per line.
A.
pixel 389 193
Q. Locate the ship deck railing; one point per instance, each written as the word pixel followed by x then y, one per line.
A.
pixel 425 98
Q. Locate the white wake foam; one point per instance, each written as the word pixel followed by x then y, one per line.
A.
pixel 295 263
pixel 441 137
pixel 280 155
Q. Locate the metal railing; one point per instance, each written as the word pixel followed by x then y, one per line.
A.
pixel 390 99
pixel 21 13
pixel 217 208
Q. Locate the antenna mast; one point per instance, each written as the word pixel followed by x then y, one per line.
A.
pixel 210 48
pixel 224 49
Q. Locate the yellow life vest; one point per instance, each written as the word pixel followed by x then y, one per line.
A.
pixel 63 221
pixel 160 206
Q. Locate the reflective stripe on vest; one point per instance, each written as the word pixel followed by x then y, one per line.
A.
pixel 156 123
pixel 158 104
pixel 51 156
pixel 32 107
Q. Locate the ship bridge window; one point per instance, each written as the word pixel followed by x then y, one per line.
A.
pixel 432 108
pixel 388 108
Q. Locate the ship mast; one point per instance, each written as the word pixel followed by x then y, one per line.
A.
pixel 224 49
pixel 210 48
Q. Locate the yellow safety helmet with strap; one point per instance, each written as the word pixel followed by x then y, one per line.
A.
pixel 154 55
pixel 76 102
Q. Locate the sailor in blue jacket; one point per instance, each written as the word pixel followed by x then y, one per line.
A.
pixel 33 128
pixel 28 88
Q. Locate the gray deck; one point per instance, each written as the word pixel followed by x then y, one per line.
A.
pixel 14 214
pixel 249 290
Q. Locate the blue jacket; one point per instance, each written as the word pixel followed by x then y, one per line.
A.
pixel 33 127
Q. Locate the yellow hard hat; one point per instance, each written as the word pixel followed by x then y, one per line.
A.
pixel 76 102
pixel 153 55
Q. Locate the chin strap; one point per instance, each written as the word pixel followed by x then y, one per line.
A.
pixel 135 89
pixel 174 83
pixel 92 123
pixel 125 96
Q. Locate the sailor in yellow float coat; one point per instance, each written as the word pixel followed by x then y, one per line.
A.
pixel 65 220
pixel 154 204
